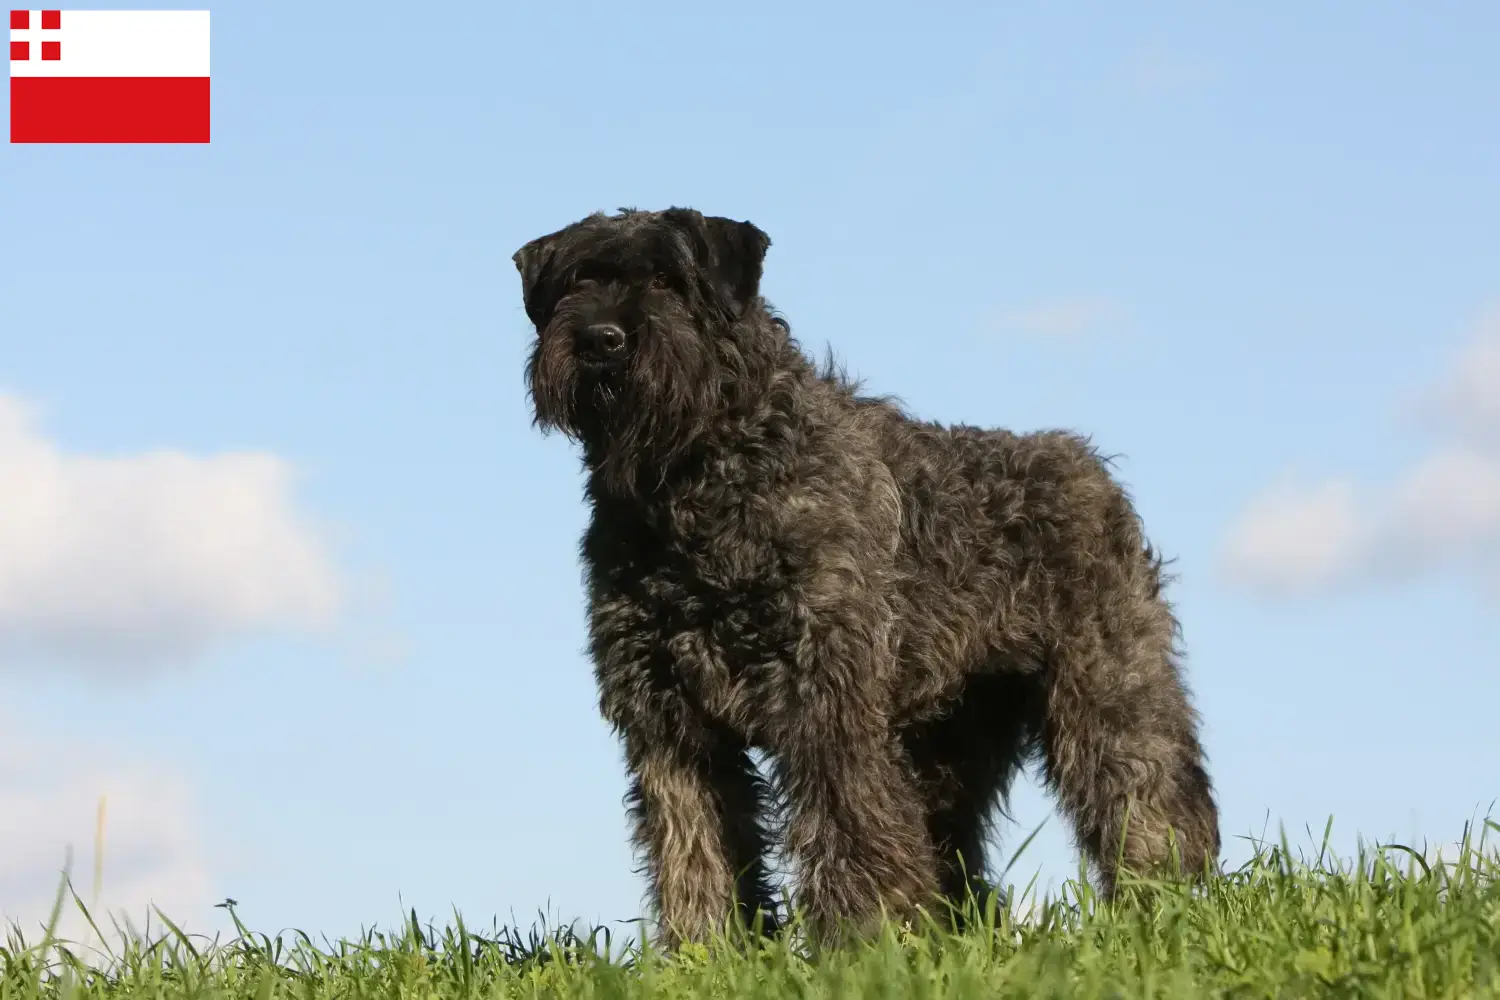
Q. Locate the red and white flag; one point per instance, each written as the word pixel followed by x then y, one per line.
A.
pixel 109 76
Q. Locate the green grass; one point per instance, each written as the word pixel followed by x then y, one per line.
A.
pixel 1385 924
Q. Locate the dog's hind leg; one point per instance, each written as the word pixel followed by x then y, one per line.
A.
pixel 1121 746
pixel 745 800
pixel 966 760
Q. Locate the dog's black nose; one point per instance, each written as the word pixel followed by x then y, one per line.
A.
pixel 602 339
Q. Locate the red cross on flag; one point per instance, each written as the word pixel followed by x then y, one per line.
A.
pixel 109 76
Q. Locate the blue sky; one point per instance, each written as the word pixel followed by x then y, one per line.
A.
pixel 287 576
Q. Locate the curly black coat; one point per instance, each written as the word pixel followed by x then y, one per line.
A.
pixel 899 613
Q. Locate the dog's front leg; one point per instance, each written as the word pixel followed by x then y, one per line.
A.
pixel 694 811
pixel 696 799
pixel 857 829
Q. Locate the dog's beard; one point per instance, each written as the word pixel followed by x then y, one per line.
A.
pixel 633 420
pixel 564 391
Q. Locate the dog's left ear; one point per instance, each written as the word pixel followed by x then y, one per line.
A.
pixel 737 251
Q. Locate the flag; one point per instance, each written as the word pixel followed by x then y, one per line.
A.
pixel 109 76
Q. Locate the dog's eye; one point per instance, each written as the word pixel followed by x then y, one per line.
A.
pixel 657 283
pixel 592 275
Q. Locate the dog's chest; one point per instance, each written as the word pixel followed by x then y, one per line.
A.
pixel 725 631
pixel 721 615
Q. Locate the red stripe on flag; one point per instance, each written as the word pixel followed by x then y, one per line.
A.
pixel 109 109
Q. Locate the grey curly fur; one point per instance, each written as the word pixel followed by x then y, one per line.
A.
pixel 898 613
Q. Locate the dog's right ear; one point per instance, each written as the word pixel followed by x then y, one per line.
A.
pixel 739 255
pixel 533 261
pixel 730 254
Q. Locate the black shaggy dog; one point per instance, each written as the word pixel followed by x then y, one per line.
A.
pixel 899 613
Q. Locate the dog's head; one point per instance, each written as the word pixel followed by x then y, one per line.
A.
pixel 641 327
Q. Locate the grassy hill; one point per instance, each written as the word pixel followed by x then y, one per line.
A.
pixel 1389 923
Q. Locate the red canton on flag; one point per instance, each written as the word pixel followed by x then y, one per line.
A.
pixel 109 76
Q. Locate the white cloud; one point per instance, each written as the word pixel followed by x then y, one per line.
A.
pixel 1296 539
pixel 1446 509
pixel 1470 396
pixel 153 852
pixel 1062 318
pixel 147 559
pixel 1442 512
